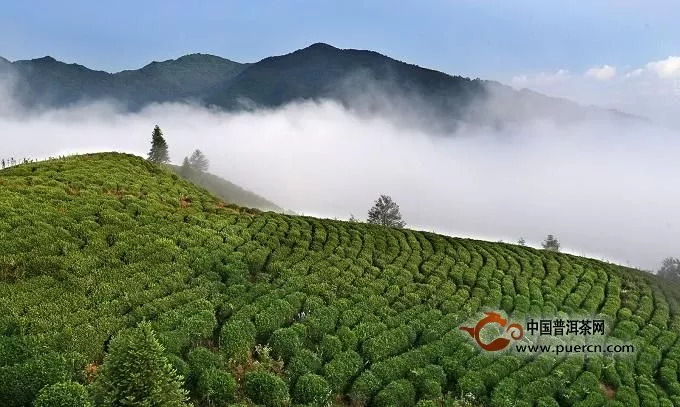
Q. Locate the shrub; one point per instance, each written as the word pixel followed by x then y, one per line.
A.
pixel 312 389
pixel 284 342
pixel 265 388
pixel 181 367
pixel 64 394
pixel 400 393
pixel 217 386
pixel 201 359
pixel 472 383
pixel 348 338
pixel 237 339
pixel 547 402
pixel 339 370
pixel 20 383
pixel 304 361
pixel 329 347
pixel 386 344
pixel 275 316
pixel 428 381
pixel 365 387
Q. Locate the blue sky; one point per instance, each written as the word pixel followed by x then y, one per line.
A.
pixel 488 38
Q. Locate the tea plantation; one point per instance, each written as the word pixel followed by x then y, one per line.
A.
pixel 257 308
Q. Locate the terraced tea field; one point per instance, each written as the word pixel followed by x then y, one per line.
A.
pixel 295 310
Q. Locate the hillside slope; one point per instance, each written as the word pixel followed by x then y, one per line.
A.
pixel 92 244
pixel 229 191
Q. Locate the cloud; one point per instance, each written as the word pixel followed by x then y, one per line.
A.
pixel 604 73
pixel 667 68
pixel 541 78
pixel 635 73
pixel 604 190
pixel 651 90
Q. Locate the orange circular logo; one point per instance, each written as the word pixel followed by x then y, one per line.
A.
pixel 498 343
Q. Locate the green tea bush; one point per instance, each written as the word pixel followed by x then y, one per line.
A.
pixel 94 244
pixel 312 389
pixel 216 386
pixel 265 388
pixel 284 342
pixel 365 387
pixel 329 347
pixel 237 339
pixel 340 370
pixel 303 361
pixel 64 394
pixel 400 393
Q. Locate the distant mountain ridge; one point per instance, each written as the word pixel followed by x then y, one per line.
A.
pixel 359 79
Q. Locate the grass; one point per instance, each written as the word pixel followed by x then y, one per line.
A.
pixel 95 243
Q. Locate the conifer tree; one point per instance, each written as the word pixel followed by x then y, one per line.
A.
pixel 198 161
pixel 136 373
pixel 159 148
pixel 186 170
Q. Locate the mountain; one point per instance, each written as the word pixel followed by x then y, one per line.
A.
pixel 46 82
pixel 365 81
pixel 269 309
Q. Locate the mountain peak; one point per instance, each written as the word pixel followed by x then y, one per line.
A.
pixel 321 45
pixel 45 59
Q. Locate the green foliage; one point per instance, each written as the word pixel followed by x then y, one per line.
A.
pixel 385 212
pixel 216 386
pixel 550 243
pixel 64 394
pixel 303 361
pixel 265 388
pixel 201 359
pixel 224 189
pixel 400 393
pixel 95 244
pixel 135 372
pixel 330 346
pixel 237 339
pixel 159 148
pixel 284 342
pixel 340 370
pixel 20 383
pixel 365 387
pixel 312 389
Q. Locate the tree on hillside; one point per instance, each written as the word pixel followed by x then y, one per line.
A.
pixel 550 243
pixel 352 218
pixel 385 212
pixel 159 148
pixel 670 268
pixel 198 161
pixel 186 170
pixel 521 242
pixel 135 372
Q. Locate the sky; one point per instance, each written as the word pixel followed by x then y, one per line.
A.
pixel 604 189
pixel 487 38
